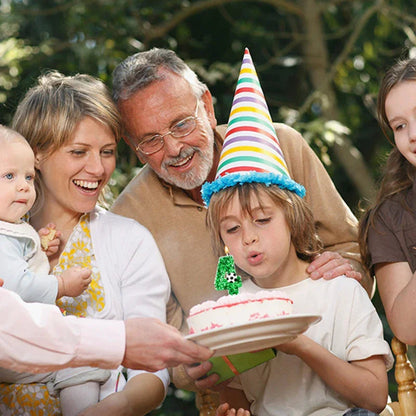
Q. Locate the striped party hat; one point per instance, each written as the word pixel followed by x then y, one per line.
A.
pixel 251 150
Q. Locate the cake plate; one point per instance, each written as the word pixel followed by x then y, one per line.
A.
pixel 256 335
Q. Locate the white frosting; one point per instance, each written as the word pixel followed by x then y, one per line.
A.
pixel 238 309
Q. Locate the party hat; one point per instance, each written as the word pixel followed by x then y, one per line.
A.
pixel 251 151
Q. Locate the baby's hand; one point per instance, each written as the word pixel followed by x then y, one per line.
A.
pixel 224 410
pixel 73 281
pixel 49 239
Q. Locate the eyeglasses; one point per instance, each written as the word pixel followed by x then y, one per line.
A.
pixel 152 144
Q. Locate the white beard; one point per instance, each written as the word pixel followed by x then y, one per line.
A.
pixel 198 175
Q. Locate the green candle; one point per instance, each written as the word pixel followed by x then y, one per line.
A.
pixel 226 277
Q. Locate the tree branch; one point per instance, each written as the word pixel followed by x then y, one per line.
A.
pixel 194 8
pixel 358 27
pixel 389 10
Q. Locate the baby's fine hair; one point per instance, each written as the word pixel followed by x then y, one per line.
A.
pixel 297 213
pixel 398 173
pixel 8 135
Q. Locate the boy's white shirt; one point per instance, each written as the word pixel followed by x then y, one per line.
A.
pixel 350 328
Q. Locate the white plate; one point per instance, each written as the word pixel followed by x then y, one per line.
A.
pixel 254 335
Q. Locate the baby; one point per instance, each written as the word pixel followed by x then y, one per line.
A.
pixel 24 265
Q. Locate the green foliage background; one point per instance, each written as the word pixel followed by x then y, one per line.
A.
pixel 93 36
pixel 319 62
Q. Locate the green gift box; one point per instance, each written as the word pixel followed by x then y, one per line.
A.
pixel 228 366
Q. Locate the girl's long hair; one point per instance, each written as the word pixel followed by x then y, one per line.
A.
pixel 398 174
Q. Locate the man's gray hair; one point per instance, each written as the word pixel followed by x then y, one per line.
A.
pixel 143 68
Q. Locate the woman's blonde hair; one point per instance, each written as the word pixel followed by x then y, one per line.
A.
pixel 298 215
pixel 50 111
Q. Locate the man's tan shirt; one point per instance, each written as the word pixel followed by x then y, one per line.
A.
pixel 178 223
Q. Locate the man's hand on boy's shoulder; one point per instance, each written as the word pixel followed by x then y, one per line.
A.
pixel 331 264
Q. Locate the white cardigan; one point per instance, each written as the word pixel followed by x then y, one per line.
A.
pixel 132 271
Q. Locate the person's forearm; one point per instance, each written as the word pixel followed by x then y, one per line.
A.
pixel 363 383
pixel 401 316
pixel 397 288
pixel 144 393
pixel 37 338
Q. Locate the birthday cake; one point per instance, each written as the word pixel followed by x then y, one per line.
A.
pixel 238 309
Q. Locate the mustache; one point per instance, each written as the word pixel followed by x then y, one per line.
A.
pixel 185 153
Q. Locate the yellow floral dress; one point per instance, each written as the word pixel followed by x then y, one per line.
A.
pixel 34 399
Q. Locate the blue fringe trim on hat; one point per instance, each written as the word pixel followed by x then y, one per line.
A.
pixel 232 179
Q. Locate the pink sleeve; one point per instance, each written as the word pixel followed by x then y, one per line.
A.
pixel 36 337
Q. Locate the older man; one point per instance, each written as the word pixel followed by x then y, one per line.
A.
pixel 170 123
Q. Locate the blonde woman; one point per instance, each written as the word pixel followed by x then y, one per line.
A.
pixel 73 128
